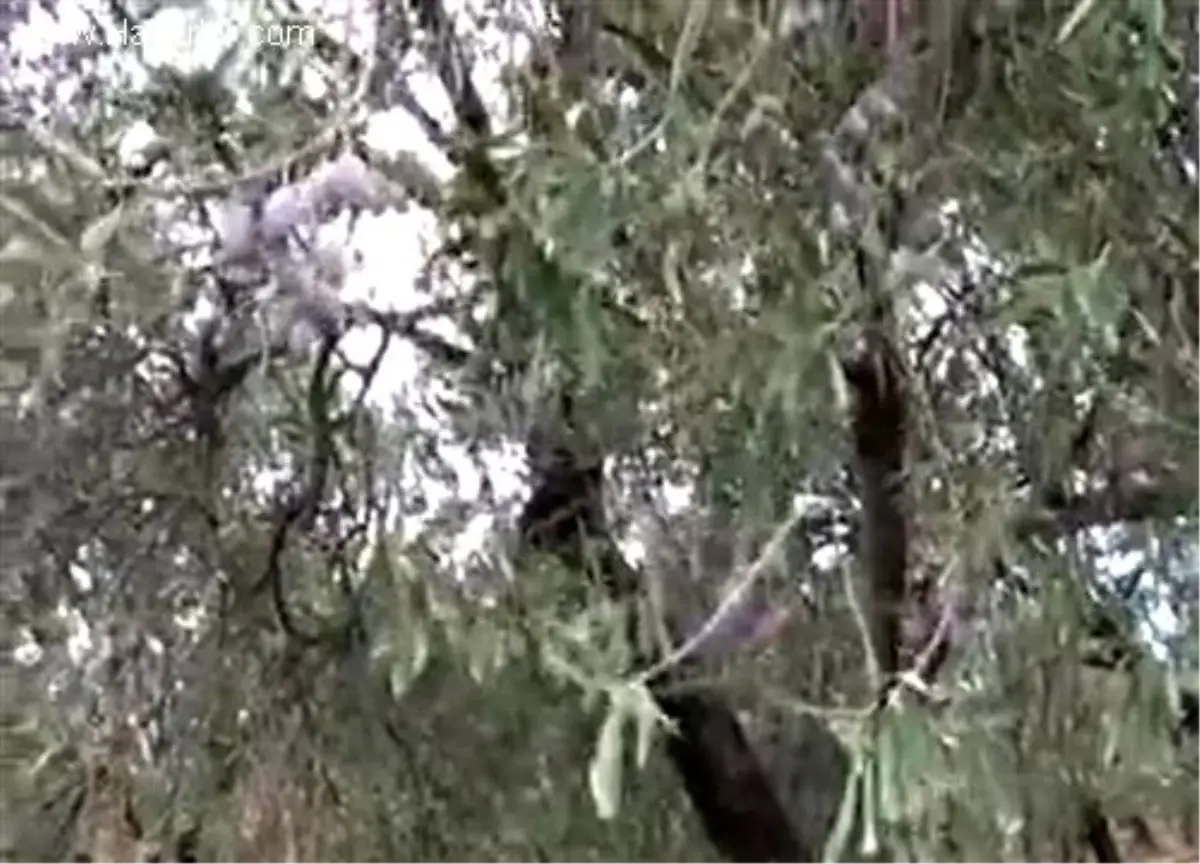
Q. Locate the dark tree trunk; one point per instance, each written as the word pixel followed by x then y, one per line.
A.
pixel 1098 835
pixel 879 429
pixel 726 782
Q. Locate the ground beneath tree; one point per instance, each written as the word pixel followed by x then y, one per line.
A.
pixel 1182 856
pixel 1170 849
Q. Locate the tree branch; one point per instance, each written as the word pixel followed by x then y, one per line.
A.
pixel 449 58
pixel 880 440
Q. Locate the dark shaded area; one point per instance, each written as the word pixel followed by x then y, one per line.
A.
pixel 742 812
pixel 811 766
pixel 1189 720
pixel 1097 834
pixel 735 797
pixel 879 434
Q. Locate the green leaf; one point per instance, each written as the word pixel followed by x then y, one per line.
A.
pixel 420 648
pixel 485 648
pixel 21 249
pixel 913 755
pixel 837 383
pixel 648 717
pixel 604 772
pixel 100 233
pixel 409 656
pixel 840 836
pixel 887 763
pixel 1101 301
pixel 588 327
pixel 26 216
pixel 400 676
pixel 1081 11
pixel 68 152
pixel 559 666
pixel 870 801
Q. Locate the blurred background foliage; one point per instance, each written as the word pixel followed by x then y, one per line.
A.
pixel 261 587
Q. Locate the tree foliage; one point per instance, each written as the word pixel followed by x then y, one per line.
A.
pixel 761 431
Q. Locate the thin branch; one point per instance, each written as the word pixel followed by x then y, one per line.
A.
pixel 449 59
pixel 733 602
pixel 300 509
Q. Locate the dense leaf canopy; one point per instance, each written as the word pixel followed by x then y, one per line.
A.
pixel 598 430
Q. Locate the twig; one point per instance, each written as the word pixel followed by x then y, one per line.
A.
pixel 732 601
